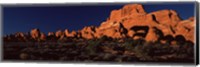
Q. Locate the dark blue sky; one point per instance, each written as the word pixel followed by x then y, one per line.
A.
pixel 52 18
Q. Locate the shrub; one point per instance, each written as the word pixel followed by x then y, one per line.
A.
pixel 140 52
pixel 92 45
pixel 129 44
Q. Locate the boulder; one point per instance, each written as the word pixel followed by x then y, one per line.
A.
pixel 60 34
pixel 35 33
pixel 43 36
pixel 71 34
pixel 51 34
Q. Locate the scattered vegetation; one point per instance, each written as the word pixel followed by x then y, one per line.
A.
pixel 102 49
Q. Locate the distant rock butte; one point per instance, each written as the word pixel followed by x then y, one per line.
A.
pixel 132 21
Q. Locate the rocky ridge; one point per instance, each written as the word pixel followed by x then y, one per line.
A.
pixel 129 21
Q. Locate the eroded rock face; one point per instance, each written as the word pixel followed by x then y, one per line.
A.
pixel 121 15
pixel 151 35
pixel 186 28
pixel 73 33
pixel 161 23
pixel 67 33
pixel 60 34
pixel 131 33
pixel 88 32
pixel 126 11
pixel 43 36
pixel 20 34
pixel 70 34
pixel 166 17
pixel 35 33
pixel 132 21
pixel 117 30
pixel 51 34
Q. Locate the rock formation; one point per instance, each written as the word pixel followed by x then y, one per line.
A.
pixel 43 36
pixel 35 33
pixel 88 32
pixel 70 34
pixel 51 34
pixel 132 21
pixel 160 23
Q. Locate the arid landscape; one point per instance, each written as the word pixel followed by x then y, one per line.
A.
pixel 129 34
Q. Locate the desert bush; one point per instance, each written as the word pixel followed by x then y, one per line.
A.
pixel 141 53
pixel 129 45
pixel 186 48
pixel 138 42
pixel 92 45
pixel 148 50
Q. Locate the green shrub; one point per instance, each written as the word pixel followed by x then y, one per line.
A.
pixel 129 44
pixel 141 52
pixel 92 44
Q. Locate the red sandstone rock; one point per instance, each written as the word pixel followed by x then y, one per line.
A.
pixel 88 32
pixel 51 34
pixel 67 33
pixel 130 33
pixel 131 20
pixel 186 28
pixel 117 30
pixel 151 35
pixel 43 36
pixel 19 34
pixel 166 21
pixel 60 34
pixel 35 33
pixel 70 34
